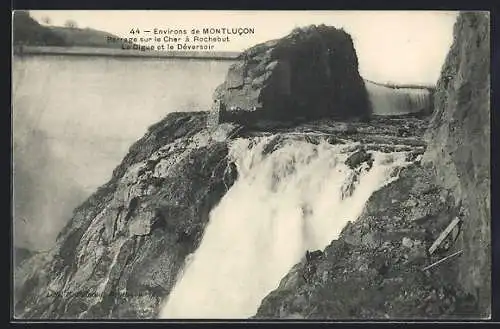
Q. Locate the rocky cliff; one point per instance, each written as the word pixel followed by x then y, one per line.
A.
pixel 311 73
pixel 122 252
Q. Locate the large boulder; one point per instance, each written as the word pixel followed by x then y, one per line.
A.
pixel 311 73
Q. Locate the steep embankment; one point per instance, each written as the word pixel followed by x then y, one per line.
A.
pixel 376 267
pixel 459 146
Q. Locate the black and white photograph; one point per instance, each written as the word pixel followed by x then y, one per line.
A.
pixel 251 165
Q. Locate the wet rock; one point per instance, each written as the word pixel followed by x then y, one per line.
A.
pixel 371 240
pixel 314 255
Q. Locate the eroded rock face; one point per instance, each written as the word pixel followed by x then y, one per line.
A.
pixel 357 158
pixel 310 73
pixel 120 254
pixel 459 145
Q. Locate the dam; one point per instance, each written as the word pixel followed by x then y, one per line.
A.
pixel 393 100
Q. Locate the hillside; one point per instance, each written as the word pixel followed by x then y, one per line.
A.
pixel 259 210
pixel 459 147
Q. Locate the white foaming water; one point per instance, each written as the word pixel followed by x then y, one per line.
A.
pixel 281 205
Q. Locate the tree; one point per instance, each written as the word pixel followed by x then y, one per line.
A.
pixel 46 20
pixel 70 23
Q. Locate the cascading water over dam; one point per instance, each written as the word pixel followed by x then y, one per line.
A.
pixel 397 101
pixel 290 196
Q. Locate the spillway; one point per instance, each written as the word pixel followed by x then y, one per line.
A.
pixel 397 101
pixel 290 196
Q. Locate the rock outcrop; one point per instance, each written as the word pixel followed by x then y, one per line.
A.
pixel 121 252
pixel 374 269
pixel 311 73
pixel 459 146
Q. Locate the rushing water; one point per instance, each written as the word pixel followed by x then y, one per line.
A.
pixel 74 119
pixel 294 199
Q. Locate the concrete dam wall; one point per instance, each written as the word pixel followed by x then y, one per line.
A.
pixel 387 100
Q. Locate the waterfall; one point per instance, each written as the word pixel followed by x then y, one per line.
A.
pixel 289 197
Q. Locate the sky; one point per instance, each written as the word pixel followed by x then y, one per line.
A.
pixel 392 46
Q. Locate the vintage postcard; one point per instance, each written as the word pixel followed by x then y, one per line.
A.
pixel 251 165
